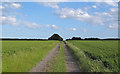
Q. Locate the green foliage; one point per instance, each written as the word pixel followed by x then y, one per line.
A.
pixel 55 37
pixel 21 56
pixel 96 56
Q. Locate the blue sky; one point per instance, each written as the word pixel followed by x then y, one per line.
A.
pixel 68 19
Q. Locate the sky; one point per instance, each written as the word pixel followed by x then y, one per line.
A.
pixel 68 19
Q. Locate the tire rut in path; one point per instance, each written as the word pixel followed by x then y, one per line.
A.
pixel 71 64
pixel 40 67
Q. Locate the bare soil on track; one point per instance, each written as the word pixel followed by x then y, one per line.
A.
pixel 71 64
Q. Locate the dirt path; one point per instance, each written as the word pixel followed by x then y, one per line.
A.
pixel 40 67
pixel 71 65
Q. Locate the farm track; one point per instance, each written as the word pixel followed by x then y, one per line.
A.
pixel 40 67
pixel 71 64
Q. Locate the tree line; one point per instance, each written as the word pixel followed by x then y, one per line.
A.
pixel 57 37
pixel 79 38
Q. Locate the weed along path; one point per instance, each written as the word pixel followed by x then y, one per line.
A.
pixel 40 67
pixel 71 64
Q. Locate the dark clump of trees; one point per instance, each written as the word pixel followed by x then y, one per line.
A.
pixel 79 38
pixel 55 37
pixel 91 39
pixel 21 39
pixel 75 38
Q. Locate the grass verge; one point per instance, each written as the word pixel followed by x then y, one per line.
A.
pixel 57 64
pixel 85 63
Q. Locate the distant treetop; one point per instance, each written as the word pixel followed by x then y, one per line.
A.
pixel 55 37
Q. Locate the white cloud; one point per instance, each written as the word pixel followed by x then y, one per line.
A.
pixel 47 25
pixel 54 26
pixel 1 7
pixel 12 5
pixel 73 29
pixel 114 26
pixel 51 26
pixel 30 24
pixel 111 2
pixel 103 14
pixel 12 20
pixel 80 15
pixel 51 4
pixel 83 16
pixel 71 13
pixel 108 2
pixel 113 9
pixel 110 16
pixel 94 6
pixel 9 20
pixel 63 16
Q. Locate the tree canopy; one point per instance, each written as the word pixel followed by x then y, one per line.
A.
pixel 55 37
